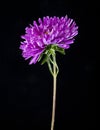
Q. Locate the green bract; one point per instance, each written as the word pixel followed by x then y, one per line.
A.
pixel 50 51
pixel 49 57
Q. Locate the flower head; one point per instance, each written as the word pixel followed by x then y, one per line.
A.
pixel 56 32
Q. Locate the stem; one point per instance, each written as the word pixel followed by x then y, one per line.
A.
pixel 54 92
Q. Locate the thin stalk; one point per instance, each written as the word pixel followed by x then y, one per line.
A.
pixel 54 92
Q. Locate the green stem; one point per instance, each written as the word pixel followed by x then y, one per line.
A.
pixel 50 67
pixel 54 91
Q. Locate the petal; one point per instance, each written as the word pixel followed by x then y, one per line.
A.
pixel 28 30
pixel 74 33
pixel 34 59
pixel 69 41
pixel 36 51
pixel 39 43
pixel 44 41
pixel 40 21
pixel 36 25
pixel 71 20
pixel 64 46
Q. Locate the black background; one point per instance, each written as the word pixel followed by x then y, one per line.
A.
pixel 26 90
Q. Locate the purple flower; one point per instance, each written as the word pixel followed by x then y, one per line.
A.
pixel 50 30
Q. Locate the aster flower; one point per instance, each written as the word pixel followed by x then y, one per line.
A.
pixel 59 32
pixel 41 41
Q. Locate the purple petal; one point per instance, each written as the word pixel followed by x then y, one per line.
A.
pixel 40 21
pixel 69 41
pixel 34 59
pixel 64 46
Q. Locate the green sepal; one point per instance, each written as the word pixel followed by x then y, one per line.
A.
pixel 60 50
pixel 44 59
pixel 50 50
